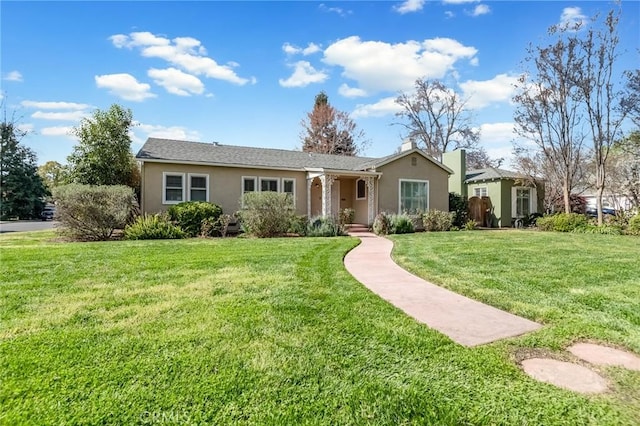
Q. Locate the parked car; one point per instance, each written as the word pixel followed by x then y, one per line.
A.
pixel 592 212
pixel 48 213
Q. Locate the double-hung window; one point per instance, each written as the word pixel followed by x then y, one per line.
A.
pixel 249 184
pixel 289 187
pixel 414 196
pixel 179 187
pixel 269 184
pixel 198 187
pixel 173 188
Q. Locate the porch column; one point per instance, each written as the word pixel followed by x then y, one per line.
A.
pixel 327 183
pixel 371 193
pixel 309 184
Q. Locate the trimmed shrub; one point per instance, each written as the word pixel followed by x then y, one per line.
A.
pixel 346 216
pixel 216 228
pixel 436 220
pixel 381 224
pixel 562 222
pixel 324 227
pixel 267 214
pixel 633 228
pixel 459 206
pixel 153 227
pixel 92 213
pixel 470 225
pixel 400 224
pixel 299 225
pixel 416 220
pixel 190 215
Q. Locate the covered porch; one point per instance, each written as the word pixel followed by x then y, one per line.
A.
pixel 330 191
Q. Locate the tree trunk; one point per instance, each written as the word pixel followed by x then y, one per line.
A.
pixel 600 176
pixel 566 195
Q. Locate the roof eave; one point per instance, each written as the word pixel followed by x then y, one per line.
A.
pixel 212 164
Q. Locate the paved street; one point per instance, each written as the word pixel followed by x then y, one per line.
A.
pixel 25 225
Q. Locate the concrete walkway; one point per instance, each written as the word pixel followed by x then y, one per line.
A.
pixel 464 320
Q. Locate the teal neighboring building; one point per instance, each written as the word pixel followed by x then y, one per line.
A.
pixel 497 197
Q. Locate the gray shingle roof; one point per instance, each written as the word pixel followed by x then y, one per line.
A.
pixel 490 173
pixel 242 156
pixel 199 152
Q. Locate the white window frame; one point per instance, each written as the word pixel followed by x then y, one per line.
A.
pixel 266 178
pixel 400 181
pixel 164 187
pixel 255 185
pixel 204 175
pixel 293 194
pixel 365 189
pixel 481 189
pixel 533 200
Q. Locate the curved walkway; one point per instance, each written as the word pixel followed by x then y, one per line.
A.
pixel 464 320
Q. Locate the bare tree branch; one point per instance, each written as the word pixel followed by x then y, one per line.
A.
pixel 436 118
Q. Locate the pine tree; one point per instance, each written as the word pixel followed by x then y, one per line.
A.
pixel 330 131
pixel 21 188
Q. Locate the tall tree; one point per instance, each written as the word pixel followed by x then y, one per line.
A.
pixel 479 158
pixel 103 154
pixel 623 175
pixel 52 174
pixel 603 101
pixel 548 109
pixel 330 131
pixel 21 189
pixel 436 118
pixel 631 96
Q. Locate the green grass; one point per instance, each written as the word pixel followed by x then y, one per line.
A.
pixel 277 332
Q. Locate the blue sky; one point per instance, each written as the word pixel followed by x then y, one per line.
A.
pixel 245 73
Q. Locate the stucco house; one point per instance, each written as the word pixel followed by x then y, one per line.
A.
pixel 321 184
pixel 497 197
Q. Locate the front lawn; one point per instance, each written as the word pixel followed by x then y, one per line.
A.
pixel 277 332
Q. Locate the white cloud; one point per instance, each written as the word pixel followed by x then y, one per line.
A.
pixel 57 131
pixel 483 93
pixel 459 1
pixel 303 75
pixel 379 66
pixel 351 92
pixel 186 53
pixel 170 132
pixel 449 14
pixel 311 48
pixel 26 127
pixel 60 116
pixel 481 9
pixel 385 106
pixel 13 76
pixel 409 6
pixel 497 133
pixel 338 10
pixel 497 139
pixel 177 82
pixel 290 49
pixel 572 17
pixel 125 86
pixel 54 105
